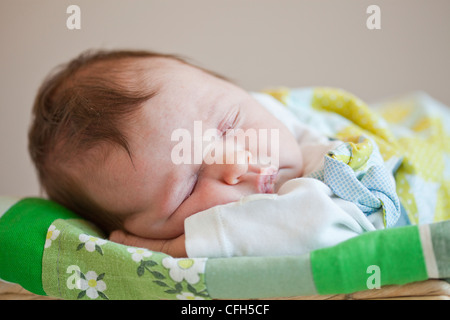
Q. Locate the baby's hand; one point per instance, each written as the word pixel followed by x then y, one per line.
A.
pixel 174 247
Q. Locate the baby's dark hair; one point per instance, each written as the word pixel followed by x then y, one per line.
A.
pixel 81 105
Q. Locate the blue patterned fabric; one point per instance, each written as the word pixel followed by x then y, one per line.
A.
pixel 356 173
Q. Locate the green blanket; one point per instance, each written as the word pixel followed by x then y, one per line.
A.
pixel 51 251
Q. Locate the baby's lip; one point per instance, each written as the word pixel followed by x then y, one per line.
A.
pixel 266 179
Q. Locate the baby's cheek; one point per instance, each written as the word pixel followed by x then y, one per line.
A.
pixel 216 193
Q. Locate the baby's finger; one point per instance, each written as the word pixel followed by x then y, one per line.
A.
pixel 174 247
pixel 134 241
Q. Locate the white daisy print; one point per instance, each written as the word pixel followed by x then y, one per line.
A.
pixel 52 234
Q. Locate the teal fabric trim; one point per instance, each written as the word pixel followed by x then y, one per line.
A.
pixel 440 237
pixel 259 277
pixel 393 256
pixel 23 230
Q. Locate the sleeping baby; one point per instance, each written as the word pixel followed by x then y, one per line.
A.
pixel 102 140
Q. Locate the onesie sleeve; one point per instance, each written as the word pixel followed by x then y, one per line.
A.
pixel 303 216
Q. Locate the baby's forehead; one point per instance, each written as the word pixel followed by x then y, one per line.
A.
pixel 160 73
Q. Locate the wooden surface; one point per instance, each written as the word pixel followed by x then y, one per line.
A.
pixel 424 290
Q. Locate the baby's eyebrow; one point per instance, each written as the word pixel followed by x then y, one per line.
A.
pixel 215 105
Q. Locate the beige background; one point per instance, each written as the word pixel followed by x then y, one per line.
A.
pixel 258 43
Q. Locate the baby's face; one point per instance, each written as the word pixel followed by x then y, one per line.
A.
pixel 155 193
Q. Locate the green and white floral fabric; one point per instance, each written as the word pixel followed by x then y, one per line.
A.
pixel 85 266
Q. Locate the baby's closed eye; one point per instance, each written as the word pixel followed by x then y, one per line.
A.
pixel 230 122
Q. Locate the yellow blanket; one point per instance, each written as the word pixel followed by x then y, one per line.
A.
pixel 412 132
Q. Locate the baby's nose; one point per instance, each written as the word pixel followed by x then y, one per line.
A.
pixel 234 168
